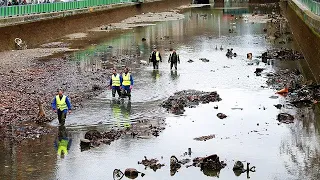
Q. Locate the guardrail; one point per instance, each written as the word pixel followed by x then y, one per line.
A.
pixel 22 10
pixel 312 5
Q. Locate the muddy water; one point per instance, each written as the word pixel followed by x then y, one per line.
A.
pixel 251 135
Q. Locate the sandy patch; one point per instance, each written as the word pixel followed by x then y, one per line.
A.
pixel 18 58
pixel 256 18
pixel 76 35
pixel 123 26
pixel 141 20
pixel 193 6
pixel 55 45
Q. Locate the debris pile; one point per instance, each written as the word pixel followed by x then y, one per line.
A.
pixel 300 92
pixel 151 163
pixel 221 115
pixel 204 59
pixel 282 54
pixel 238 168
pixel 96 138
pixel 230 54
pixel 278 29
pixel 285 118
pixel 143 129
pixel 188 98
pixel 205 138
pixel 175 164
pixel 210 164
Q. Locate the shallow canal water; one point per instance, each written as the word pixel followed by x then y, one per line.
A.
pixel 251 135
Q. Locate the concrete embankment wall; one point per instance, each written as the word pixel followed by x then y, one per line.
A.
pixel 311 19
pixel 39 32
pixel 304 26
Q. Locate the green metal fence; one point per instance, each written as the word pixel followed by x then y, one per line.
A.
pixel 10 11
pixel 313 5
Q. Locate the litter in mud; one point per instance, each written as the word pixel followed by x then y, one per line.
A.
pixel 210 165
pixel 230 54
pixel 238 168
pixel 278 106
pixel 177 102
pixel 300 92
pixel 151 163
pixel 282 54
pixel 221 116
pixel 176 164
pixel 144 129
pixel 204 59
pixel 285 118
pixel 96 138
pixel 130 173
pixel 205 138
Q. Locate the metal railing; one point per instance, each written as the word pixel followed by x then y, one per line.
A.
pixel 29 9
pixel 313 5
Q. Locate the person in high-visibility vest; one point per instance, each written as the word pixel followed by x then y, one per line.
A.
pixel 127 83
pixel 155 57
pixel 115 83
pixel 63 142
pixel 61 105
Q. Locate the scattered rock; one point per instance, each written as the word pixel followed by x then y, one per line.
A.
pixel 190 61
pixel 282 54
pixel 151 163
pixel 132 173
pixel 182 99
pixel 204 59
pixel 230 54
pixel 278 106
pixel 205 138
pixel 96 87
pixel 285 118
pixel 210 164
pixel 221 115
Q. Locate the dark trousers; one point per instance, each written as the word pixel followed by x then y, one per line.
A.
pixel 61 117
pixel 114 90
pixel 155 64
pixel 175 64
pixel 127 92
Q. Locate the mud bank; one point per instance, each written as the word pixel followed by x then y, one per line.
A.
pixel 26 79
pixel 49 30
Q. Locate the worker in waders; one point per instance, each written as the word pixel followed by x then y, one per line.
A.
pixel 127 83
pixel 174 59
pixel 61 105
pixel 155 57
pixel 115 83
pixel 63 142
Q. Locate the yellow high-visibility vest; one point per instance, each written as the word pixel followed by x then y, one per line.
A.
pixel 157 56
pixel 61 104
pixel 126 79
pixel 115 80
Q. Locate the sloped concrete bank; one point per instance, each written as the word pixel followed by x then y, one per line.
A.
pixel 306 30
